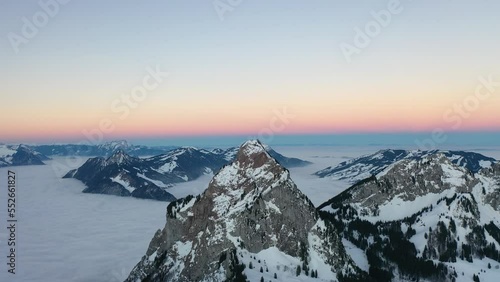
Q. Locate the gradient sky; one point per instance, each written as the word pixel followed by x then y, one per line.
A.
pixel 231 76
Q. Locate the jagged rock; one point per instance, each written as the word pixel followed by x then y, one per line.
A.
pixel 251 206
pixel 230 155
pixel 360 168
pixel 418 209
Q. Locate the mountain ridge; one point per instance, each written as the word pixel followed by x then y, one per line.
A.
pixel 362 167
pixel 158 172
pixel 420 210
pixel 251 208
pixel 12 155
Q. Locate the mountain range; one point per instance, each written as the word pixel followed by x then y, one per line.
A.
pixel 423 217
pixel 16 155
pixel 432 216
pixel 251 223
pixel 363 167
pixel 100 150
pixel 123 175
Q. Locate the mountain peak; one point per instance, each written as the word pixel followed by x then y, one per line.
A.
pixel 119 157
pixel 252 170
pixel 252 162
pixel 253 154
pixel 252 147
pixel 251 206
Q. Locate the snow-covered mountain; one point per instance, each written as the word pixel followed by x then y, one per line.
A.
pixel 131 176
pixel 14 155
pixel 427 217
pixel 363 167
pixel 120 175
pixel 107 149
pixel 252 222
pixel 124 175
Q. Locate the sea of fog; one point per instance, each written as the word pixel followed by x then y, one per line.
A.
pixel 63 234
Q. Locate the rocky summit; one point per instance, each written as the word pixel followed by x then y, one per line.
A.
pixel 424 219
pixel 360 168
pixel 251 223
pixel 124 175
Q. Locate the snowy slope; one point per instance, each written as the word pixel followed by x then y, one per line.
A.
pixel 439 209
pixel 251 216
pixel 360 168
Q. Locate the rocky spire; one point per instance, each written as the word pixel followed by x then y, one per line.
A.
pixel 250 207
pixel 119 157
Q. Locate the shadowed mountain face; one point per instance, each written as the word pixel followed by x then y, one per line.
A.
pixel 365 166
pixel 119 175
pixel 251 208
pixel 421 210
pixel 20 155
pixel 149 178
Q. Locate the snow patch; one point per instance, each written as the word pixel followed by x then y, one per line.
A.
pixel 123 183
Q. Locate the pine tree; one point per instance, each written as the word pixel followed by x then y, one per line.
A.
pixel 297 272
pixel 261 270
pixel 261 279
pixel 275 276
pixel 250 265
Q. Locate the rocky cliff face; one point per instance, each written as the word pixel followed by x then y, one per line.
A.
pixel 411 179
pixel 426 217
pixel 251 215
pixel 231 153
pixel 360 168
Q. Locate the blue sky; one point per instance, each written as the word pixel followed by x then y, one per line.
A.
pixel 228 76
